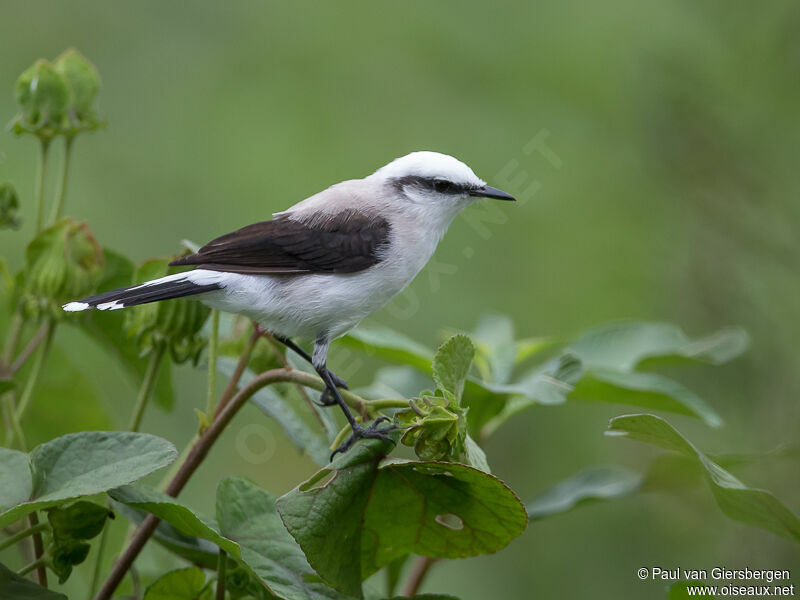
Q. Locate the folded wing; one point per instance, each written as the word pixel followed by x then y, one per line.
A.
pixel 345 242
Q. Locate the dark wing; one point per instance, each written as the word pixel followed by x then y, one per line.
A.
pixel 345 242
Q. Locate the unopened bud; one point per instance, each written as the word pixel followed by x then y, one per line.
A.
pixel 43 95
pixel 175 324
pixel 63 262
pixel 82 79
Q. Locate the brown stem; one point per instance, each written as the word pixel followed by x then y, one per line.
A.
pixel 300 389
pixel 196 456
pixel 418 575
pixel 244 359
pixel 38 550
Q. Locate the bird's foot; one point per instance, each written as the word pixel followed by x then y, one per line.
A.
pixel 372 432
pixel 327 398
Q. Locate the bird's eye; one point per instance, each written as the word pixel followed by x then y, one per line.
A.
pixel 442 186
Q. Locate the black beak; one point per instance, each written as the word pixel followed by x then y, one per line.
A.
pixel 488 191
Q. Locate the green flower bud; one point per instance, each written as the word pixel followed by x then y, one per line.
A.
pixel 62 263
pixel 43 95
pixel 435 427
pixel 65 554
pixel 82 79
pixel 174 323
pixel 9 204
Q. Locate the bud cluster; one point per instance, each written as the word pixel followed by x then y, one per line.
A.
pixel 56 98
pixel 175 325
pixel 62 263
pixel 436 426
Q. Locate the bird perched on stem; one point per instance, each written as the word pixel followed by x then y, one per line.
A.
pixel 318 268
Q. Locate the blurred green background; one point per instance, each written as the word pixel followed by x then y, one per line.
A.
pixel 667 188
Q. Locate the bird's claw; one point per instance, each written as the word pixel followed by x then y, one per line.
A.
pixel 326 398
pixel 372 432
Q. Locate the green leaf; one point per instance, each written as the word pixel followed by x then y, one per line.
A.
pixel 425 597
pixel 390 345
pixel 16 481
pixel 181 584
pixel 475 456
pixel 14 587
pixel 739 502
pixel 80 464
pixel 249 530
pixel 451 364
pixel 590 484
pixel 66 554
pixel 443 510
pixel 274 405
pixel 246 515
pixel 646 390
pixel 627 345
pixel 494 344
pixel 81 520
pixel 107 328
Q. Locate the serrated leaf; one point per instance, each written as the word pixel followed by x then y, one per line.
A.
pixel 246 514
pixel 451 364
pixel 314 443
pixel 646 390
pixel 181 584
pixel 625 345
pixel 739 502
pixel 590 484
pixel 248 529
pixel 14 587
pixel 390 345
pixel 81 464
pixel 438 509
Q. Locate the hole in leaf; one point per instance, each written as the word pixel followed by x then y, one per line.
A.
pixel 320 480
pixel 450 521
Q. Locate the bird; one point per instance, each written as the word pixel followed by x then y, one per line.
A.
pixel 316 269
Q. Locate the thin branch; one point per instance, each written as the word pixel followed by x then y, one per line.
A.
pixel 37 339
pixel 19 536
pixel 418 575
pixel 300 389
pixel 38 551
pixel 244 359
pixel 198 453
pixel 222 561
pixel 146 389
pixel 58 206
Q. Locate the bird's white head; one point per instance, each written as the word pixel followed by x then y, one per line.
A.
pixel 432 178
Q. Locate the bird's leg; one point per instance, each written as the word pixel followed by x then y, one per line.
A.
pixel 319 360
pixel 325 398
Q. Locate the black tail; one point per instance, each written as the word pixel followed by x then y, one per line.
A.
pixel 141 294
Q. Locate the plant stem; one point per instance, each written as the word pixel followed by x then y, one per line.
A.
pixel 22 535
pixel 146 390
pixel 37 339
pixel 198 453
pixel 30 385
pixel 58 206
pixel 244 359
pixel 98 561
pixel 213 344
pixel 38 551
pixel 41 174
pixel 418 575
pixel 387 403
pixel 37 564
pixel 14 331
pixel 222 560
pixel 300 389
